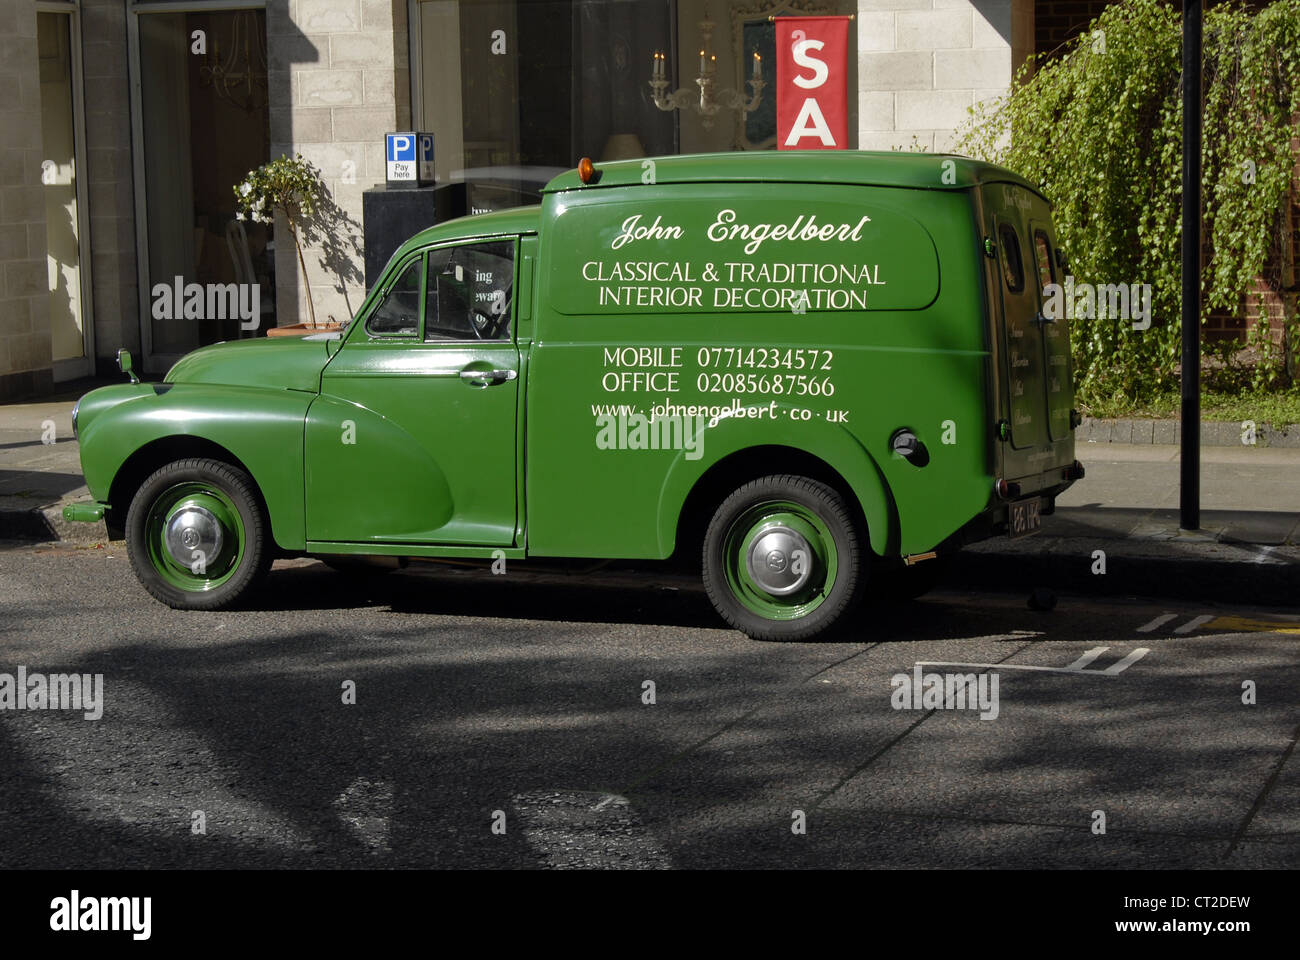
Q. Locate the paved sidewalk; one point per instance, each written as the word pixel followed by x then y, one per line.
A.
pixel 1248 548
pixel 40 471
pixel 1127 507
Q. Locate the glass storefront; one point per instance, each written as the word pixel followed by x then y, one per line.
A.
pixel 204 124
pixel 515 91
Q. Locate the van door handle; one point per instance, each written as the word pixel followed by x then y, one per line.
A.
pixel 482 378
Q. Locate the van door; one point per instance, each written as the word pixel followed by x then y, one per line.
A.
pixel 1022 334
pixel 1058 381
pixel 413 437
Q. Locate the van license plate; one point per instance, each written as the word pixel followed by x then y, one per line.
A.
pixel 1025 518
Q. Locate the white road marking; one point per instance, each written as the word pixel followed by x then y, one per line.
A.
pixel 1157 623
pixel 367 807
pixel 1076 668
pixel 1087 658
pixel 1127 662
pixel 567 830
pixel 1193 623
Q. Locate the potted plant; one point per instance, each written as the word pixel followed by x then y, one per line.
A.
pixel 294 189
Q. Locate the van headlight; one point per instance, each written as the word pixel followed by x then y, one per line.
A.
pixel 76 408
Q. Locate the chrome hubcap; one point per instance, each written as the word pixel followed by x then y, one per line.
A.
pixel 192 528
pixel 779 560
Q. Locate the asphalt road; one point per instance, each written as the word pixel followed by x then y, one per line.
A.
pixel 517 701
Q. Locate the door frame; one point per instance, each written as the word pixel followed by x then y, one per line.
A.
pixel 149 361
pixel 84 366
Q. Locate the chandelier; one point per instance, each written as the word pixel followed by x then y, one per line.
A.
pixel 238 76
pixel 709 101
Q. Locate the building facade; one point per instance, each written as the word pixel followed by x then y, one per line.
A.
pixel 130 121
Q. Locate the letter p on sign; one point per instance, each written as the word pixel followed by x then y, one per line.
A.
pixel 812 83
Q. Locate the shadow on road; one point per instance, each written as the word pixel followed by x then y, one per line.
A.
pixel 461 714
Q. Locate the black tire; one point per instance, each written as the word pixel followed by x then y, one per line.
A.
pixel 835 577
pixel 246 552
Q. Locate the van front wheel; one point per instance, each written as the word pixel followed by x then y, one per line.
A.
pixel 196 534
pixel 782 558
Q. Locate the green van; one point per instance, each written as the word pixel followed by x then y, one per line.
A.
pixel 803 368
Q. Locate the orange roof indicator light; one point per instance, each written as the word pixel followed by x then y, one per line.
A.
pixel 586 170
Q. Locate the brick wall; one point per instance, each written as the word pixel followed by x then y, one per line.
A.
pixel 923 63
pixel 339 80
pixel 25 363
pixel 1275 302
pixel 1057 21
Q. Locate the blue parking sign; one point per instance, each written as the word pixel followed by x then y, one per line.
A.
pixel 401 147
pixel 426 158
pixel 409 158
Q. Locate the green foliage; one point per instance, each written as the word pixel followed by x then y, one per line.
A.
pixel 292 188
pixel 1277 407
pixel 1100 129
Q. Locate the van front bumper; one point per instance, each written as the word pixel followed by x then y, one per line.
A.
pixel 90 511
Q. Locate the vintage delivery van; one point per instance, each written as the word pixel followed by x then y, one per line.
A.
pixel 799 368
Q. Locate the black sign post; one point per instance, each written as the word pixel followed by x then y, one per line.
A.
pixel 1189 499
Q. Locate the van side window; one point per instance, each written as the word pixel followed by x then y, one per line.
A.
pixel 468 292
pixel 1013 267
pixel 1044 254
pixel 399 313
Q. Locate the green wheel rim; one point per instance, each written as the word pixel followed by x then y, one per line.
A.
pixel 215 570
pixel 824 560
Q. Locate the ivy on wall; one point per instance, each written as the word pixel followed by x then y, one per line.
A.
pixel 1100 129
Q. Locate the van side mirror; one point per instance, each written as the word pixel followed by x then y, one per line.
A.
pixel 124 363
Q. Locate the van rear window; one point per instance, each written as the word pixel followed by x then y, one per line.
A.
pixel 1043 252
pixel 1013 266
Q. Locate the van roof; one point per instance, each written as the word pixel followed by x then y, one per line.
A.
pixel 919 171
pixel 509 222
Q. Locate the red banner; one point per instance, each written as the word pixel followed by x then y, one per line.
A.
pixel 812 105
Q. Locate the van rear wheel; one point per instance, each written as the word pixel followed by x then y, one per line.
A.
pixel 782 558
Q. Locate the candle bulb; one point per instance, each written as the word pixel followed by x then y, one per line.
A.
pixel 758 66
pixel 703 66
pixel 713 64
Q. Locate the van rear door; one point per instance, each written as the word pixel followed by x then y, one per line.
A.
pixel 1058 372
pixel 1035 377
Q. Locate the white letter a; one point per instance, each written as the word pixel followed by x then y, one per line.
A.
pixel 810 123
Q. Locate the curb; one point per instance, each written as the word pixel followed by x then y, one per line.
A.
pixel 1214 433
pixel 47 525
pixel 1129 573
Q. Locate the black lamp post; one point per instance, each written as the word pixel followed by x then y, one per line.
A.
pixel 1189 499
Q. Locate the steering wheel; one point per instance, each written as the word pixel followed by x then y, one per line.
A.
pixel 488 326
